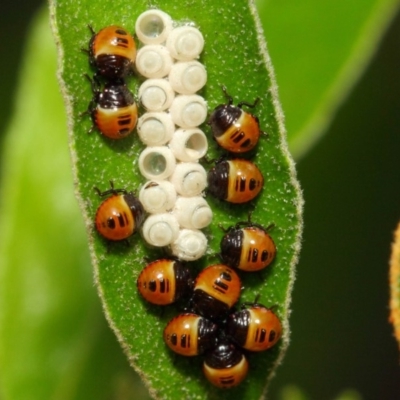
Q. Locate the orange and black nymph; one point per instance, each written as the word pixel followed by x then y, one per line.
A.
pixel 248 248
pixel 120 215
pixel 112 52
pixel 216 289
pixel 235 181
pixel 235 130
pixel 164 281
pixel 189 334
pixel 113 109
pixel 225 366
pixel 256 328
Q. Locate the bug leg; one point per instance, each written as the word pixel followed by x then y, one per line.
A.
pixel 97 190
pixel 243 103
pixel 88 78
pixel 92 105
pixel 92 128
pixel 224 229
pixel 257 298
pixel 95 83
pixel 90 109
pixel 86 112
pixel 97 77
pixel 91 29
pixel 249 216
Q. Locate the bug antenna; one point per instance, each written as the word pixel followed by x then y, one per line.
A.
pixel 228 97
pixel 112 190
pixel 244 103
pixel 222 228
pixel 208 160
pixel 249 216
pixel 251 303
pixel 270 227
pixel 91 29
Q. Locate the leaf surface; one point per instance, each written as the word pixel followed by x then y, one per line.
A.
pixel 234 56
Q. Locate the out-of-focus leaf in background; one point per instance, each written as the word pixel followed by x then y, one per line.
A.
pixel 341 337
pixel 320 49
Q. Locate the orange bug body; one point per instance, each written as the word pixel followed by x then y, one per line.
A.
pixel 112 52
pixel 164 281
pixel 190 334
pixel 235 181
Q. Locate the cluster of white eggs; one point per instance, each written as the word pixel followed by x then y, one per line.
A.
pixel 173 193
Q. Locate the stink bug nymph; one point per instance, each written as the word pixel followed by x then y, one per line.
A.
pixel 216 289
pixel 235 130
pixel 120 215
pixel 112 52
pixel 235 181
pixel 225 366
pixel 254 328
pixel 248 246
pixel 113 109
pixel 190 334
pixel 164 281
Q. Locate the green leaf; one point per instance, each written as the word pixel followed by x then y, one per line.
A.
pixel 54 341
pixel 320 49
pixel 233 57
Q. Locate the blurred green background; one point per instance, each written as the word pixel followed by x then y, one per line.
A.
pixel 341 337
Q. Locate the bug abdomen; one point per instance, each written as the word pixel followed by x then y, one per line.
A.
pixel 115 123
